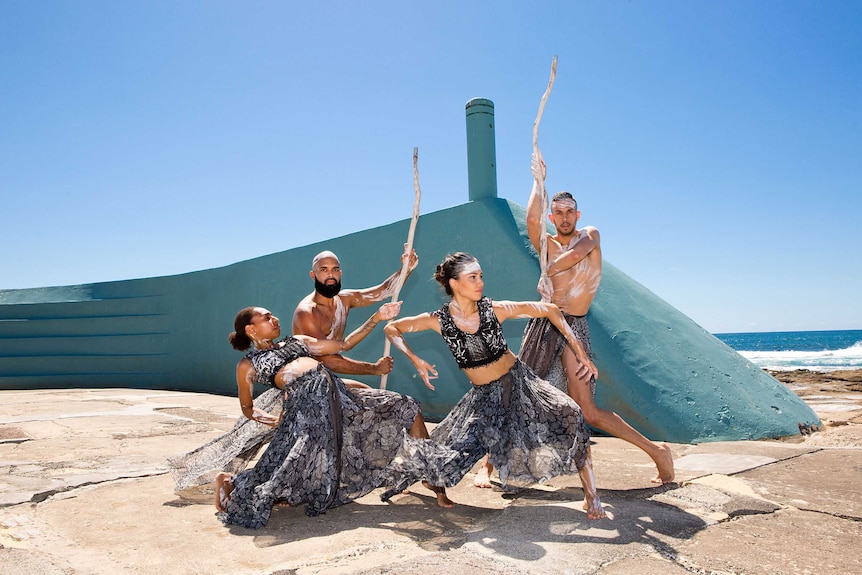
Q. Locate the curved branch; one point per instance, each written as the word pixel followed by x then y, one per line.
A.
pixel 408 250
pixel 544 281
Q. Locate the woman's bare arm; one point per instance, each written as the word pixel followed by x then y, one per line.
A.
pixel 529 309
pixel 395 331
pixel 245 386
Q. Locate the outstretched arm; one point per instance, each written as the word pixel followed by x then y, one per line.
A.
pixel 395 331
pixel 304 323
pixel 367 296
pixel 348 366
pixel 526 309
pixel 320 347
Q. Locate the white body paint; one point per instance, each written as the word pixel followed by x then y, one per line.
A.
pixel 339 321
pixel 575 287
pixel 294 369
pixel 467 322
pixel 469 268
pixel 536 309
pixel 322 255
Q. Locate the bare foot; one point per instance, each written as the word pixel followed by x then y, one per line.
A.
pixel 223 490
pixel 593 507
pixel 483 477
pixel 440 492
pixel 592 504
pixel 664 465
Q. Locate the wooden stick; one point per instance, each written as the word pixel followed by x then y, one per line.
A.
pixel 544 280
pixel 408 250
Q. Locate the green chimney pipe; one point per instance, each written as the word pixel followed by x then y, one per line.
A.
pixel 481 150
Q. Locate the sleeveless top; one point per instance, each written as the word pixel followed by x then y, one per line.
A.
pixel 267 362
pixel 485 346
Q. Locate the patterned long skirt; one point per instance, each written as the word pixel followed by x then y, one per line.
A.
pixel 332 446
pixel 231 451
pixel 531 431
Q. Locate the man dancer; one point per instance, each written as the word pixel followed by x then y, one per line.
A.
pixel 322 314
pixel 574 270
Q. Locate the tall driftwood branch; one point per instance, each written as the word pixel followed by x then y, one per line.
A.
pixel 544 280
pixel 408 250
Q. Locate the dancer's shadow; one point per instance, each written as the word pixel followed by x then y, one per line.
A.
pixel 414 514
pixel 539 518
pixel 521 526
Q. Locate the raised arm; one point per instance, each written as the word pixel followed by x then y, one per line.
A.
pixel 367 296
pixel 535 213
pixel 395 331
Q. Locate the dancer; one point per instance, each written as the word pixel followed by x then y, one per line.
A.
pixel 332 444
pixel 575 270
pixel 322 314
pixel 531 430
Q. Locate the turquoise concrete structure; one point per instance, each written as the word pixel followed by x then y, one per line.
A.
pixel 662 372
pixel 670 378
pixel 171 332
pixel 481 149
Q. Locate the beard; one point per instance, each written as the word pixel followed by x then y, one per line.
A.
pixel 327 290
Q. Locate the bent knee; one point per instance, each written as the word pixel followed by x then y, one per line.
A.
pixel 592 414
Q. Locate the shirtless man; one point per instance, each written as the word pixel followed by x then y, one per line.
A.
pixel 322 314
pixel 574 270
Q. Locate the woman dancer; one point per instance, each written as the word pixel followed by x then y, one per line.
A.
pixel 332 444
pixel 531 430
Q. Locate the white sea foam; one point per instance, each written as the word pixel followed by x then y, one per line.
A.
pixel 828 360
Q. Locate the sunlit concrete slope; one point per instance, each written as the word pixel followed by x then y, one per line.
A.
pixel 673 380
pixel 665 375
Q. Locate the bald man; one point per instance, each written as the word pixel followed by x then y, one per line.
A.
pixel 322 314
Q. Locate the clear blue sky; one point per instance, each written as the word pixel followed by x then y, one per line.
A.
pixel 717 146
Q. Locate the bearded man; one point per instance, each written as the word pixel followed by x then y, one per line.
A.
pixel 322 314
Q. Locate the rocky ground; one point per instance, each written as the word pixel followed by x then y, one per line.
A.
pixel 834 396
pixel 84 490
pixel 805 382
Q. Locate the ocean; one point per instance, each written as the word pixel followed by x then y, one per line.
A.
pixel 789 350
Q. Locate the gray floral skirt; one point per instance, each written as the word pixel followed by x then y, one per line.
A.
pixel 333 445
pixel 231 451
pixel 531 431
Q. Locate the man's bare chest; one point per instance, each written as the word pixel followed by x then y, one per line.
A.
pixel 330 320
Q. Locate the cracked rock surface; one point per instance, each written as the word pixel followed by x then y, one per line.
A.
pixel 84 489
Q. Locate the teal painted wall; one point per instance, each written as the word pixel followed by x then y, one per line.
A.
pixel 670 378
pixel 171 332
pixel 664 374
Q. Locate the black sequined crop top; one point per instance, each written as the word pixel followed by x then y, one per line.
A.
pixel 485 346
pixel 267 362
